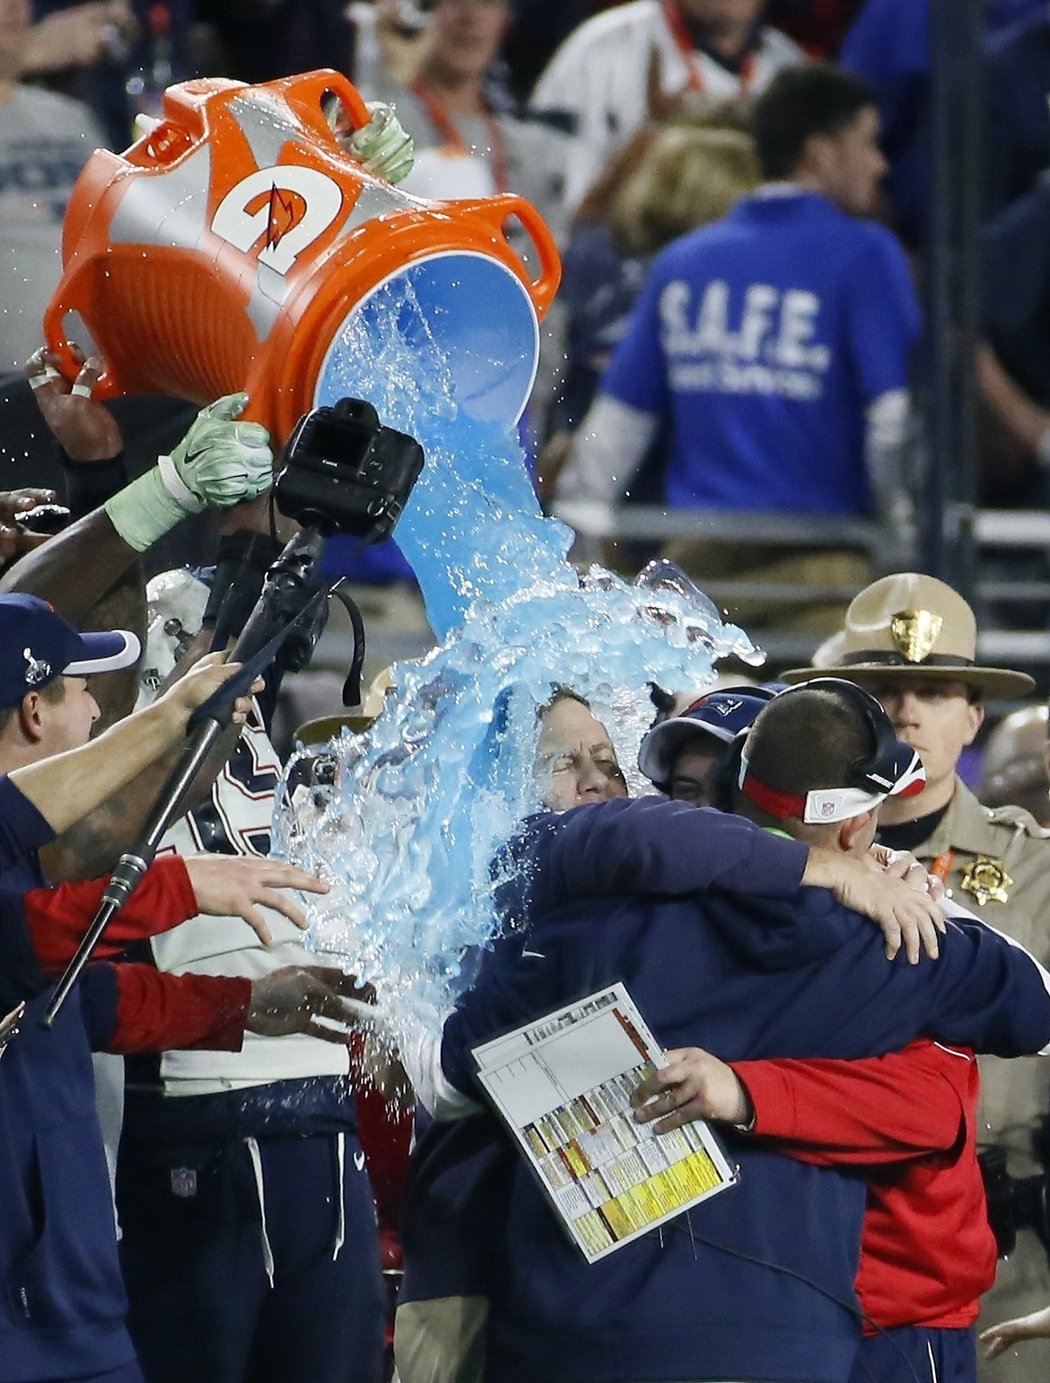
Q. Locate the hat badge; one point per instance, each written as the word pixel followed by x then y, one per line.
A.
pixel 915 633
pixel 37 670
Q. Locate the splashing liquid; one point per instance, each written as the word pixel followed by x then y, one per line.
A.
pixel 423 801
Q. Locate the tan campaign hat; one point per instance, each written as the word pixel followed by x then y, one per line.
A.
pixel 912 623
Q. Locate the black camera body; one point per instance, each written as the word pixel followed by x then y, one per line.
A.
pixel 1017 1202
pixel 344 472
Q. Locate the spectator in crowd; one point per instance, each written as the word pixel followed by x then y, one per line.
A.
pixel 1013 371
pixel 389 36
pixel 1015 765
pixel 640 1312
pixel 117 56
pixel 72 35
pixel 45 140
pixel 599 86
pixel 663 183
pixel 468 140
pixel 889 46
pixel 1017 77
pixel 775 346
pixel 911 641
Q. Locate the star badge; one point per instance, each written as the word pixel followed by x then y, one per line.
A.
pixel 986 880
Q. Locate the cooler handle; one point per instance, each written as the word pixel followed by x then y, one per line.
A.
pixel 304 94
pixel 64 302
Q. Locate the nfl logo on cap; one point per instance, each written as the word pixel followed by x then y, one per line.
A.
pixel 183 1182
pixel 37 670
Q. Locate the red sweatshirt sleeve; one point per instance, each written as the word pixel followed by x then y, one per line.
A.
pixel 58 918
pixel 158 1012
pixel 872 1111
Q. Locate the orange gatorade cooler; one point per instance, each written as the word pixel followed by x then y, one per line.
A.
pixel 231 246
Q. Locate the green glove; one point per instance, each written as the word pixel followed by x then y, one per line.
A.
pixel 217 464
pixel 382 146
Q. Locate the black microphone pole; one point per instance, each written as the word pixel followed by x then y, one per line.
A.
pixel 256 648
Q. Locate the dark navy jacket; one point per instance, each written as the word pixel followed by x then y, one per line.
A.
pixel 62 1300
pixel 461 1172
pixel 756 1283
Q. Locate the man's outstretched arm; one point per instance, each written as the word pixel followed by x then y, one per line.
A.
pixel 652 845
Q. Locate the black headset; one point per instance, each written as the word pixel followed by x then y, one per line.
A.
pixel 890 758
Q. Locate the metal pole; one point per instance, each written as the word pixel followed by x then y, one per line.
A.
pixel 952 293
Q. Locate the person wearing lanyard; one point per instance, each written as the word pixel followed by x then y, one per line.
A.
pixel 468 140
pixel 911 641
pixel 604 80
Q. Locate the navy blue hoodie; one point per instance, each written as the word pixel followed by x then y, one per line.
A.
pixel 62 1301
pixel 461 1172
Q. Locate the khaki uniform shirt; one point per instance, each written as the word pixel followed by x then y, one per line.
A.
pixel 1015 1094
pixel 1017 850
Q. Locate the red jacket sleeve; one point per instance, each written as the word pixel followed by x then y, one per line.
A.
pixel 158 1012
pixel 57 918
pixel 876 1110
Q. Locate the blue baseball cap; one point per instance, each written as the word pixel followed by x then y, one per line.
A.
pixel 719 716
pixel 38 646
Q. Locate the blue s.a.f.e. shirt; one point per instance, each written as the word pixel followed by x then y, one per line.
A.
pixel 763 338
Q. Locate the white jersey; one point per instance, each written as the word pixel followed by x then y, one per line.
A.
pixel 600 77
pixel 236 820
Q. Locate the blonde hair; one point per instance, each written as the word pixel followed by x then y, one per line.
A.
pixel 685 178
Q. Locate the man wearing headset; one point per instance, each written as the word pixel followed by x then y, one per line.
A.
pixel 912 642
pixel 759 1283
pixel 907 1121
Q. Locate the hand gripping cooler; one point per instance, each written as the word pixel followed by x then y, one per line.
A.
pixel 229 247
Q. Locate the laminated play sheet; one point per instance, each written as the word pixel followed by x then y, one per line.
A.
pixel 563 1085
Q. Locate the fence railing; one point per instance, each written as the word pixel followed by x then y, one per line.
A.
pixel 1001 640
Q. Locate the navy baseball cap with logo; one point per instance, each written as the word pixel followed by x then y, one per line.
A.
pixel 719 716
pixel 38 646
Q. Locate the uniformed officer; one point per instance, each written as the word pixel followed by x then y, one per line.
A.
pixel 911 640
